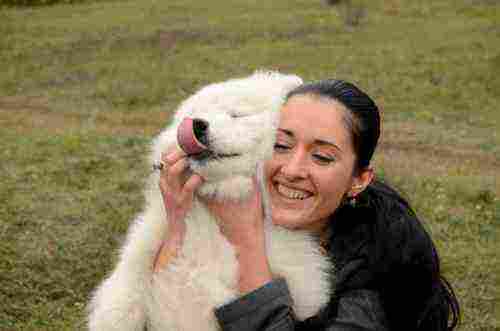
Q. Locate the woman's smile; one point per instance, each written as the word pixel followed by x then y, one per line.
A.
pixel 291 193
pixel 290 196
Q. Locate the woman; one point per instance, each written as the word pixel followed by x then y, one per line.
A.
pixel 319 179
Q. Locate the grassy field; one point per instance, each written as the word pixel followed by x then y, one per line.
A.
pixel 84 88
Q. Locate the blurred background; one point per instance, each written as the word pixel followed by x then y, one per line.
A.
pixel 86 85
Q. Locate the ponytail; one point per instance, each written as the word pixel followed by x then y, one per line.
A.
pixel 402 260
pixel 442 311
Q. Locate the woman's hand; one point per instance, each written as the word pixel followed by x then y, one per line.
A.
pixel 177 186
pixel 242 223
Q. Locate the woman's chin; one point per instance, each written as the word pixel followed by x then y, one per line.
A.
pixel 305 218
pixel 289 218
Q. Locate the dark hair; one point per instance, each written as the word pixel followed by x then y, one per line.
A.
pixel 398 258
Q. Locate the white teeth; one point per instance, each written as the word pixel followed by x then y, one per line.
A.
pixel 291 193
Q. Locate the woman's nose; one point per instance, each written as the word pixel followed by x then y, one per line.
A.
pixel 295 167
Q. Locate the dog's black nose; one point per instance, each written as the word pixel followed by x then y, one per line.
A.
pixel 200 130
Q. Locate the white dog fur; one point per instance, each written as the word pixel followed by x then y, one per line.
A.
pixel 242 115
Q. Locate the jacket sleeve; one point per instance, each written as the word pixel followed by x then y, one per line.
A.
pixel 269 308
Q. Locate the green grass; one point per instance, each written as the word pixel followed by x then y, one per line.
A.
pixel 85 87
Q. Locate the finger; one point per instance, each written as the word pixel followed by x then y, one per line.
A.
pixel 163 184
pixel 163 164
pixel 175 174
pixel 178 167
pixel 171 157
pixel 192 184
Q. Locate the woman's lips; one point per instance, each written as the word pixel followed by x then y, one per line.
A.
pixel 289 195
pixel 292 193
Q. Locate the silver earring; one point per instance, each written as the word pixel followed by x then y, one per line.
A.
pixel 352 199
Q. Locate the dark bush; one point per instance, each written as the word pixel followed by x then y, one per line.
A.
pixel 333 2
pixel 28 3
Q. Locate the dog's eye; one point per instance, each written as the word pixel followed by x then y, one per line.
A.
pixel 237 115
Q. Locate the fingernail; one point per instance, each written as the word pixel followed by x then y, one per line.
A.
pixel 170 158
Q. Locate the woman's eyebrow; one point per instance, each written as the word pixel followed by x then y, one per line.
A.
pixel 320 142
pixel 326 143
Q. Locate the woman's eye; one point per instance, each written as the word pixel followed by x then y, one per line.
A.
pixel 280 147
pixel 321 159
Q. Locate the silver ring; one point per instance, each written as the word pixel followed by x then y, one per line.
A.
pixel 159 166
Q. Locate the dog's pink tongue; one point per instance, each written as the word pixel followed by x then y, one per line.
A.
pixel 187 139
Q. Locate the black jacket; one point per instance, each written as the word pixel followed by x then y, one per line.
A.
pixel 269 308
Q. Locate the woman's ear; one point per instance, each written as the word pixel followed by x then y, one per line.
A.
pixel 362 179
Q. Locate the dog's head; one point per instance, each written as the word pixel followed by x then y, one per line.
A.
pixel 235 123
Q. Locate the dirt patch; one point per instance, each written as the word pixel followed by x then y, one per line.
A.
pixel 484 2
pixel 418 149
pixel 405 159
pixel 456 156
pixel 14 103
pixel 29 114
pixel 167 39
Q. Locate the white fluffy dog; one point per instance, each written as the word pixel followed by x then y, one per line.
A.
pixel 241 117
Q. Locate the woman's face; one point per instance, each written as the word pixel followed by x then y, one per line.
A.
pixel 312 167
